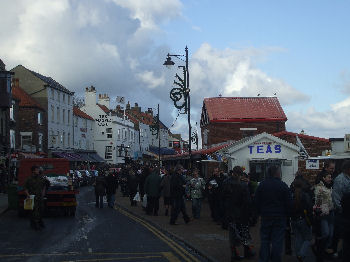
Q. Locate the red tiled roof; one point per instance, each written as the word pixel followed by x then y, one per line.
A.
pixel 244 109
pixel 279 134
pixel 25 99
pixel 78 112
pixel 104 108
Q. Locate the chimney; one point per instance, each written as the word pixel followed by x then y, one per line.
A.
pixel 103 99
pixel 150 111
pixel 128 106
pixel 90 96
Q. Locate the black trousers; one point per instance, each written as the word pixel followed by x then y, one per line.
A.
pixel 152 205
pixel 177 207
pixel 215 207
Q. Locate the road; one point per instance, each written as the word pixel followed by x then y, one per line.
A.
pixel 93 235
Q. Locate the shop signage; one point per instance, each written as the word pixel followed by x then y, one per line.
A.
pixel 265 149
pixel 312 164
pixel 103 120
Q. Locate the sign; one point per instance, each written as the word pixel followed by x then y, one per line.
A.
pixel 265 149
pixel 312 164
pixel 103 120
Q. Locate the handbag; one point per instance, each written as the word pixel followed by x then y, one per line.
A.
pixel 29 203
pixel 137 197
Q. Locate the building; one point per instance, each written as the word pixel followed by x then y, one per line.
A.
pixel 83 130
pixel 56 100
pixel 31 122
pixel 234 118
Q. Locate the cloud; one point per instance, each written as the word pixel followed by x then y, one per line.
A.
pixel 151 80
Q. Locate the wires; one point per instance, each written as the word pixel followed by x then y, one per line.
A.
pixel 178 114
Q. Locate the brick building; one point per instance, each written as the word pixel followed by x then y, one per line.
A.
pixel 32 122
pixel 234 118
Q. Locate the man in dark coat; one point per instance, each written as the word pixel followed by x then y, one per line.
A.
pixel 152 189
pixel 112 185
pixel 132 182
pixel 177 189
pixel 214 186
pixel 100 189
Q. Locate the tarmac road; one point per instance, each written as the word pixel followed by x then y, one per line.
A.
pixel 93 235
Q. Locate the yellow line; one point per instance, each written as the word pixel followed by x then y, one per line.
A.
pixel 176 247
pixel 112 259
pixel 170 256
pixel 76 254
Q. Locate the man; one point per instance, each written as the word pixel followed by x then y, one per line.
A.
pixel 112 185
pixel 36 185
pixel 177 189
pixel 214 185
pixel 100 189
pixel 273 202
pixel 152 189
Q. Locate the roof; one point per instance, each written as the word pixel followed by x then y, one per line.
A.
pixel 104 108
pixel 283 133
pixel 78 112
pixel 244 109
pixel 51 82
pixel 25 99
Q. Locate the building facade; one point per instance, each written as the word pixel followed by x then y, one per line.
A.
pixel 83 130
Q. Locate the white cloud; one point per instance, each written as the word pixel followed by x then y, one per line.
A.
pixel 151 80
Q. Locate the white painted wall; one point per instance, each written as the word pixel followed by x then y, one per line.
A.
pixel 84 133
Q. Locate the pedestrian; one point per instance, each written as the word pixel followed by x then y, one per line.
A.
pixel 112 185
pixel 177 189
pixel 325 211
pixel 301 217
pixel 36 185
pixel 165 187
pixel 100 189
pixel 152 189
pixel 214 195
pixel 132 183
pixel 237 211
pixel 341 186
pixel 273 202
pixel 344 223
pixel 146 171
pixel 197 186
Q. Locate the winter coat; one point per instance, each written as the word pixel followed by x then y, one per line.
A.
pixel 152 185
pixel 214 186
pixel 197 186
pixel 341 186
pixel 177 183
pixel 237 201
pixel 165 186
pixel 304 209
pixel 132 182
pixel 323 198
pixel 112 184
pixel 100 186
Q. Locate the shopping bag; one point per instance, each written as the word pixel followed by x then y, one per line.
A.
pixel 29 203
pixel 144 201
pixel 137 197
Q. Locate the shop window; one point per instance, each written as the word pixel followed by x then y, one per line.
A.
pixel 108 152
pixel 12 139
pixel 109 132
pixel 40 142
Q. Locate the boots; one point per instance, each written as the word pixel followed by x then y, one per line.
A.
pixel 235 254
pixel 248 252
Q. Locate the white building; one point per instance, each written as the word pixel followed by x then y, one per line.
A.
pixel 259 152
pixel 56 100
pixel 83 132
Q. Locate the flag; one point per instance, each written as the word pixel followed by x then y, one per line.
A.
pixel 120 99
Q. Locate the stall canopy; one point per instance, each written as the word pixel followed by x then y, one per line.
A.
pixel 80 156
pixel 163 150
pixel 68 156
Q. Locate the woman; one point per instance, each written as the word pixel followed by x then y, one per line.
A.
pixel 301 219
pixel 325 212
pixel 197 186
pixel 165 186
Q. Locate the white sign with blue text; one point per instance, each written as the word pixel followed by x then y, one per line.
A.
pixel 312 164
pixel 265 148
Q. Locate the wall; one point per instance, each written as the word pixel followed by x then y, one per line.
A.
pixel 83 133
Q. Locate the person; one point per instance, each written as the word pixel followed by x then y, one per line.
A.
pixel 3 175
pixel 177 189
pixel 165 187
pixel 100 189
pixel 197 186
pixel 341 186
pixel 112 185
pixel 214 195
pixel 237 209
pixel 325 211
pixel 36 185
pixel 152 189
pixel 273 202
pixel 344 220
pixel 132 182
pixel 301 219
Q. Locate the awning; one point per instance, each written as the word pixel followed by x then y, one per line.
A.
pixel 68 156
pixel 90 157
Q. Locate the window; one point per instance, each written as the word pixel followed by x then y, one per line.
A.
pixel 63 116
pixel 109 132
pixel 58 115
pixel 12 117
pixel 58 137
pixel 26 141
pixel 68 99
pixel 58 96
pixel 64 139
pixel 170 144
pixel 40 142
pixel 52 113
pixel 108 152
pixel 52 94
pixel 12 139
pixel 68 139
pixel 76 121
pixel 118 134
pixel 68 117
pixel 40 118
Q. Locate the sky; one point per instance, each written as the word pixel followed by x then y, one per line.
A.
pixel 297 50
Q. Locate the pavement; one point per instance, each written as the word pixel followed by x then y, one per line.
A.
pixel 3 203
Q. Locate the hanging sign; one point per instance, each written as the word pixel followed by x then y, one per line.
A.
pixel 312 164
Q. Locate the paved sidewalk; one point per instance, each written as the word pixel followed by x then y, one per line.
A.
pixel 3 203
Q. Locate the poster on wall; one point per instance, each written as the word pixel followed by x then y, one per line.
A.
pixel 312 164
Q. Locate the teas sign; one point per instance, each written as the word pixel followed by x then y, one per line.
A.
pixel 265 148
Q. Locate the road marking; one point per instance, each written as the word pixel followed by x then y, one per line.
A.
pixel 112 259
pixel 170 256
pixel 175 246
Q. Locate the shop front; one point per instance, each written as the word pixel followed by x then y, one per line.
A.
pixel 256 154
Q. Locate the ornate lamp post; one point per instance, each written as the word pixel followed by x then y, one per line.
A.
pixel 181 94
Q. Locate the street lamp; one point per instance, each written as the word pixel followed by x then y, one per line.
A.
pixel 181 94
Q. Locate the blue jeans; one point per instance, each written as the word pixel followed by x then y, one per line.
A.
pixel 272 231
pixel 303 236
pixel 196 207
pixel 110 199
pixel 327 229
